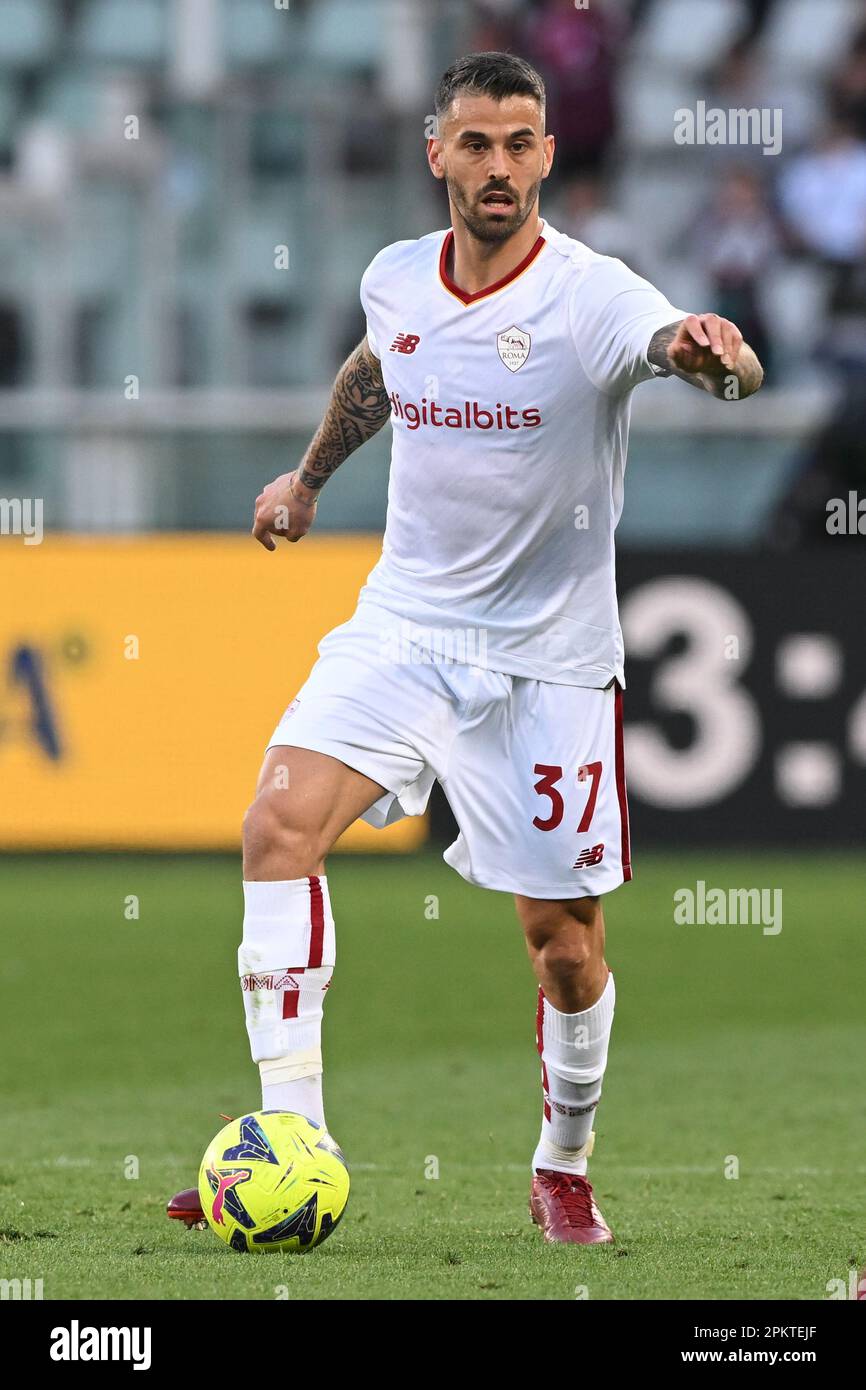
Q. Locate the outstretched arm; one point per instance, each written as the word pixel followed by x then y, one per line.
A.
pixel 357 410
pixel 708 352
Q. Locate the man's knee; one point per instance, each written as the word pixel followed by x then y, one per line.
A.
pixel 275 827
pixel 566 960
pixel 553 922
pixel 565 940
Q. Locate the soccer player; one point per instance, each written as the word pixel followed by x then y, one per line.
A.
pixel 485 650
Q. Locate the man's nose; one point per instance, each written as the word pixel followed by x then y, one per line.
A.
pixel 497 169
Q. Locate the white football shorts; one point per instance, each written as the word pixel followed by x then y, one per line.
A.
pixel 532 771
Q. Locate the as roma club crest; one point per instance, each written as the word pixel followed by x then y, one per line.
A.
pixel 513 347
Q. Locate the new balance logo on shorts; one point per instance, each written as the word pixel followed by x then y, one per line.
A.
pixel 588 857
pixel 405 342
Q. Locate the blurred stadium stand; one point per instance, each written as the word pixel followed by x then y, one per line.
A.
pixel 155 155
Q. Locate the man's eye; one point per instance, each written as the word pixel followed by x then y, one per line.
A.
pixel 519 146
pixel 476 145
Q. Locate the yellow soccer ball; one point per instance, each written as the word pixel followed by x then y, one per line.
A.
pixel 273 1180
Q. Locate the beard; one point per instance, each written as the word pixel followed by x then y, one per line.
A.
pixel 490 226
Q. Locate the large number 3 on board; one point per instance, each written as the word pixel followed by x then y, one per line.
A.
pixel 702 682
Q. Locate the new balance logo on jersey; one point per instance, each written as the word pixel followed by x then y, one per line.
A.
pixel 405 342
pixel 588 857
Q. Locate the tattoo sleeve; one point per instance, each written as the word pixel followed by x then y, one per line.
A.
pixel 357 410
pixel 748 373
pixel 657 352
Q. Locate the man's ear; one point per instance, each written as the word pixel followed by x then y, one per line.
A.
pixel 549 151
pixel 434 158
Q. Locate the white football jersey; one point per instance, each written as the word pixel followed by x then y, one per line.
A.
pixel 510 414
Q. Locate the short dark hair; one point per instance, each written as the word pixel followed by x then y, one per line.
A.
pixel 494 75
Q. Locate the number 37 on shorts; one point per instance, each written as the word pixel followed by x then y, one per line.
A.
pixel 595 823
pixel 555 824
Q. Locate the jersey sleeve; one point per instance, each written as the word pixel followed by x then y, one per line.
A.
pixel 614 316
pixel 369 311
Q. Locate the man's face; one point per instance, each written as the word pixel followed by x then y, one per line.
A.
pixel 493 156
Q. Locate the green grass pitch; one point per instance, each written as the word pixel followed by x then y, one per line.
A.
pixel 122 1040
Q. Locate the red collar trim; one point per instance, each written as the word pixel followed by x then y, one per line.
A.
pixel 465 298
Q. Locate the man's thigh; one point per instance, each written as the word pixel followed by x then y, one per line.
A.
pixel 538 791
pixel 372 706
pixel 316 789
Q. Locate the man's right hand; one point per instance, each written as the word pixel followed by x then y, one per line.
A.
pixel 284 508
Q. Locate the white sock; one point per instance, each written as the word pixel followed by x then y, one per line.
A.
pixel 573 1051
pixel 301 1097
pixel 285 962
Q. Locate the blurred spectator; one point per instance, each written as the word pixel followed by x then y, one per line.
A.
pixel 842 343
pixel 43 158
pixel 368 135
pixel 738 79
pixel 575 51
pixel 742 81
pixel 848 87
pixel 822 194
pixel 496 25
pixel 758 12
pixel 12 348
pixel 736 241
pixel 584 212
pixel 833 466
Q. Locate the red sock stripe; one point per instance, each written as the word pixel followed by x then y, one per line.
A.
pixel 539 1039
pixel 290 1002
pixel 317 923
pixel 620 784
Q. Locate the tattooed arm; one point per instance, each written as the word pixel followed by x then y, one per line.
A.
pixel 358 408
pixel 708 352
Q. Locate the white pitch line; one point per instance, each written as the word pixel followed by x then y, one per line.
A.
pixel 612 1168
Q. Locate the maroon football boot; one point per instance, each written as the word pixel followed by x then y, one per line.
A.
pixel 186 1206
pixel 563 1206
